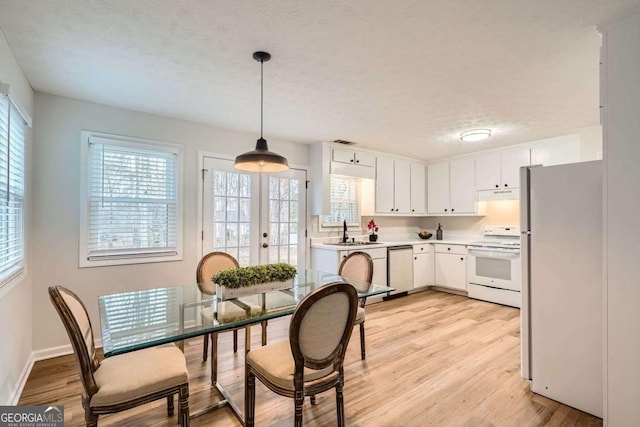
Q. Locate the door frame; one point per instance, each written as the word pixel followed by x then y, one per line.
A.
pixel 200 207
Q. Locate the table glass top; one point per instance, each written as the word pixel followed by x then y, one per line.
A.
pixel 150 317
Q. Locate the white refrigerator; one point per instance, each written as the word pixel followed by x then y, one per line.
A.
pixel 562 307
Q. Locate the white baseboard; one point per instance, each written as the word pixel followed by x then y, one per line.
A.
pixel 24 375
pixel 62 350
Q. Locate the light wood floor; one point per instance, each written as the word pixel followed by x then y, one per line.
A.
pixel 432 359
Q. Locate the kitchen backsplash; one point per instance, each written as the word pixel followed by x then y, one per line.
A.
pixel 498 212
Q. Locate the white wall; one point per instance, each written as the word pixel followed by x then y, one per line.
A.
pixel 621 232
pixel 56 184
pixel 15 302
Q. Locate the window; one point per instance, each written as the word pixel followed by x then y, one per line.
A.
pixel 344 202
pixel 12 136
pixel 132 210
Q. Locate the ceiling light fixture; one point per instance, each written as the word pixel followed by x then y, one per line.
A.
pixel 261 159
pixel 473 135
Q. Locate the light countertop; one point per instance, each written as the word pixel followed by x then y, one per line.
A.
pixel 385 244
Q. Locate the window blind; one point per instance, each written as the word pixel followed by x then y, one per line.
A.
pixel 344 202
pixel 132 204
pixel 12 140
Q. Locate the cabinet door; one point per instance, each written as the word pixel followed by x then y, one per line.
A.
pixel 384 185
pixel 365 159
pixel 451 271
pixel 379 271
pixel 488 172
pixel 438 188
pixel 418 185
pixel 342 156
pixel 402 186
pixel 557 151
pixel 462 186
pixel 422 270
pixel 512 161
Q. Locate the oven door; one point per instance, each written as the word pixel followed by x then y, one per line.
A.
pixel 494 267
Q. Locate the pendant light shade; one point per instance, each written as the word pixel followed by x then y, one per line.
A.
pixel 261 159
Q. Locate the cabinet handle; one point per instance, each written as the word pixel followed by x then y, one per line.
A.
pixel 446 210
pixel 351 160
pixel 357 161
pixel 452 209
pixel 413 210
pixel 461 258
pixel 497 186
pixel 448 249
pixel 506 185
pixel 415 257
pixel 391 209
pixel 422 249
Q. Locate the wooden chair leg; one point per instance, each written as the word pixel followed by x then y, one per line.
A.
pixel 235 340
pixel 205 348
pixel 90 419
pixel 183 402
pixel 249 397
pixel 362 347
pixel 170 405
pixel 340 400
pixel 312 399
pixel 299 402
pixel 264 333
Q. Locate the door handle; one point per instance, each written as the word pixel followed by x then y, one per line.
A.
pixel 265 234
pixel 265 245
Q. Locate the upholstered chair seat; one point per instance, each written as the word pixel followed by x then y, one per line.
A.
pixel 137 374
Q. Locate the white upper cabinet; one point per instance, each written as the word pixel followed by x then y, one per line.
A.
pixel 418 188
pixel 451 187
pixel 352 163
pixel 400 186
pixel 462 186
pixel 359 158
pixel 438 188
pixel 557 151
pixel 500 170
pixel 385 202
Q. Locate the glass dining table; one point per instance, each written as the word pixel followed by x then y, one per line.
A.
pixel 140 319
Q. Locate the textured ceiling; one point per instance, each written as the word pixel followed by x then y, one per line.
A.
pixel 400 76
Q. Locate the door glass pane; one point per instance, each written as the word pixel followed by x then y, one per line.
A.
pixel 231 207
pixel 284 211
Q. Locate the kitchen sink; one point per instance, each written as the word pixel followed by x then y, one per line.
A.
pixel 353 243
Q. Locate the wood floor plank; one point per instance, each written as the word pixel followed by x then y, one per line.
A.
pixel 432 359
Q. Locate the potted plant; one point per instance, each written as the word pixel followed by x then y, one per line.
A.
pixel 239 282
pixel 373 231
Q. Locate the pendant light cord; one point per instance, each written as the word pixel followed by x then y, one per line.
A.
pixel 261 94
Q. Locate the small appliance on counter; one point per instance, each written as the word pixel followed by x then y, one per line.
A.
pixel 439 232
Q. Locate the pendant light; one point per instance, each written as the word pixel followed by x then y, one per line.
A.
pixel 261 159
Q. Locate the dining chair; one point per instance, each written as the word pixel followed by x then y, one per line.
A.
pixel 124 381
pixel 359 265
pixel 209 266
pixel 311 361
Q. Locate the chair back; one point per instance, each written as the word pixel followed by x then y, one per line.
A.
pixel 359 266
pixel 321 327
pixel 76 321
pixel 210 265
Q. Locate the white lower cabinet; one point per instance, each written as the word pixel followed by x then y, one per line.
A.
pixel 451 266
pixel 423 259
pixel 329 259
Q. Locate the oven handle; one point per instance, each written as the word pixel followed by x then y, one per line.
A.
pixel 500 252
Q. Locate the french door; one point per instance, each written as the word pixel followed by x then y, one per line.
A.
pixel 259 218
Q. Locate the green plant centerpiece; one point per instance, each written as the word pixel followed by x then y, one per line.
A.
pixel 255 279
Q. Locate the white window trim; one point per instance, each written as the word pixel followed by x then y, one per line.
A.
pixel 83 251
pixel 18 274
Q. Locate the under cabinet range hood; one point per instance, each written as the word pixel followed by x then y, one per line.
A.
pixel 499 194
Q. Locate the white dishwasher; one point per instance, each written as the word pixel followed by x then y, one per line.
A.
pixel 400 269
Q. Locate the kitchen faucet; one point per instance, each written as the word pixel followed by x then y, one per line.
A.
pixel 344 232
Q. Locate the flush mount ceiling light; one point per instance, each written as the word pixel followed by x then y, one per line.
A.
pixel 475 135
pixel 261 159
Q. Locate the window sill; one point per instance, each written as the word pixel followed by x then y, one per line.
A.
pixel 12 283
pixel 87 263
